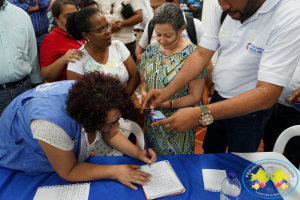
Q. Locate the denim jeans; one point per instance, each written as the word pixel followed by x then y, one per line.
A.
pixel 282 118
pixel 39 40
pixel 6 96
pixel 240 134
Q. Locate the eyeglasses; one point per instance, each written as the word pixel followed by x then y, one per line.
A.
pixel 103 30
pixel 112 8
pixel 110 125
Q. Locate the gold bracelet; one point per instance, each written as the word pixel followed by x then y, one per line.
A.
pixel 171 104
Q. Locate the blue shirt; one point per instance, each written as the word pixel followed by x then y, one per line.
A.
pixel 187 11
pixel 39 18
pixel 18 51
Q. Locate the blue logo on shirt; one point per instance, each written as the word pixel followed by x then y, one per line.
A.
pixel 254 49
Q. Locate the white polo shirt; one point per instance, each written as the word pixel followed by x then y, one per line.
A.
pixel 266 47
pixel 291 88
pixel 199 27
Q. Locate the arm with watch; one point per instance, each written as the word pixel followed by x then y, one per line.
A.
pixel 262 97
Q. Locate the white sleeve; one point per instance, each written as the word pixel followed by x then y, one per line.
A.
pixel 210 38
pixel 281 56
pixel 200 29
pixel 144 39
pixel 51 134
pixel 77 67
pixel 123 51
pixel 135 4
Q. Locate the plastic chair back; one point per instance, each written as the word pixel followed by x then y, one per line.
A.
pixel 126 127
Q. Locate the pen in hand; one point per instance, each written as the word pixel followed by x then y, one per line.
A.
pixel 147 149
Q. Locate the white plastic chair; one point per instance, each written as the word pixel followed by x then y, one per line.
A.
pixel 284 137
pixel 126 127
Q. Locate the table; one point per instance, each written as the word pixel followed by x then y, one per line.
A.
pixel 17 185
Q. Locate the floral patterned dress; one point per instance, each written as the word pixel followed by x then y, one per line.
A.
pixel 158 75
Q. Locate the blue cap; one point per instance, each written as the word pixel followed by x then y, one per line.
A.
pixel 231 175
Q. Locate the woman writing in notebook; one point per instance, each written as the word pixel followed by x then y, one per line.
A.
pixel 160 63
pixel 54 127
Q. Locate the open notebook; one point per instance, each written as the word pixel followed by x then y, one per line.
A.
pixel 164 181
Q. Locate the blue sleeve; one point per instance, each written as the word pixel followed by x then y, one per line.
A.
pixel 43 4
pixel 24 6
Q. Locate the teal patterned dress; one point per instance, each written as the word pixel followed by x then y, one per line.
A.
pixel 158 75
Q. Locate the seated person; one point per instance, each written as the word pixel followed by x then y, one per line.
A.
pixel 100 53
pixel 161 62
pixel 59 48
pixel 55 126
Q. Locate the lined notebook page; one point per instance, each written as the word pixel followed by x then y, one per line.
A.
pixel 164 181
pixel 63 192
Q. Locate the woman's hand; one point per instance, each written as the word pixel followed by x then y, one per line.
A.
pixel 143 95
pixel 128 174
pixel 142 155
pixel 72 55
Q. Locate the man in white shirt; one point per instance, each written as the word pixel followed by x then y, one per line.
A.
pixel 122 29
pixel 259 50
pixel 283 117
pixel 199 27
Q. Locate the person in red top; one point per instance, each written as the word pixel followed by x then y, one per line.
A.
pixel 59 48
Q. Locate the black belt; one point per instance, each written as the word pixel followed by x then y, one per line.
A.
pixel 41 33
pixel 11 85
pixel 138 30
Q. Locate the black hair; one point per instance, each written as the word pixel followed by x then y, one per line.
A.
pixel 87 3
pixel 171 1
pixel 57 6
pixel 79 22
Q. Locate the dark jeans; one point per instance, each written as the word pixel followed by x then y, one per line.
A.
pixel 39 40
pixel 6 96
pixel 240 134
pixel 131 48
pixel 282 118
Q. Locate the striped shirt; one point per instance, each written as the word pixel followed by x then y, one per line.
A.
pixel 195 3
pixel 39 18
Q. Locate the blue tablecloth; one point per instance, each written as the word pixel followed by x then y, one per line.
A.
pixel 17 185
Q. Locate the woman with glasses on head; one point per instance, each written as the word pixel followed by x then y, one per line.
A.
pixel 54 127
pixel 58 47
pixel 100 53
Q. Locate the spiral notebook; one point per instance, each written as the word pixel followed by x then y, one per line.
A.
pixel 212 179
pixel 164 181
pixel 63 192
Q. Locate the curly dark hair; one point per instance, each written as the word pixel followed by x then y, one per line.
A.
pixel 93 96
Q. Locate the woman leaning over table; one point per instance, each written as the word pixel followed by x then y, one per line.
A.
pixel 161 62
pixel 59 48
pixel 100 53
pixel 54 127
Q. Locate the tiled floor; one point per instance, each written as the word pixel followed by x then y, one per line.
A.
pixel 200 131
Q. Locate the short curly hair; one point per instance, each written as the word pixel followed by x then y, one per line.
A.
pixel 93 96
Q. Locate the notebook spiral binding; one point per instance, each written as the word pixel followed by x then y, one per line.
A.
pixel 212 189
pixel 58 186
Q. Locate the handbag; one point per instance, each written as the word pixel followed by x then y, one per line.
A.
pixel 127 11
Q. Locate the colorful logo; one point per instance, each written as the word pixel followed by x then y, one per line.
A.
pixel 251 48
pixel 270 179
pixel 249 43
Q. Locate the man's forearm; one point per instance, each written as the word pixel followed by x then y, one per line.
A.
pixel 135 19
pixel 194 65
pixel 264 96
pixel 139 52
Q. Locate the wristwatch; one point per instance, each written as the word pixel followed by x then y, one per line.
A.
pixel 206 117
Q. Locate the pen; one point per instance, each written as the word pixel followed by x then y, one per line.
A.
pixel 147 149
